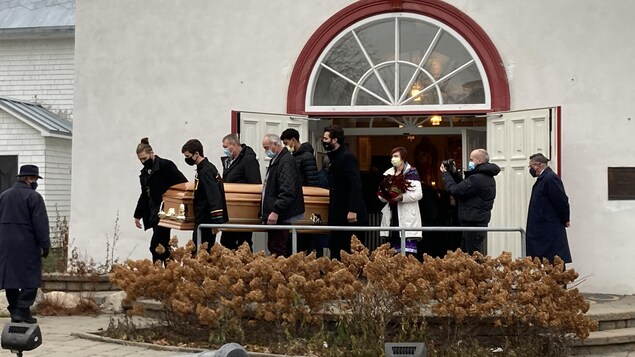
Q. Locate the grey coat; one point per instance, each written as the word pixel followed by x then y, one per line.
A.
pixel 24 232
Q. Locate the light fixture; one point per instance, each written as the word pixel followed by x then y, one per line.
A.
pixel 415 90
pixel 435 119
pixel 410 138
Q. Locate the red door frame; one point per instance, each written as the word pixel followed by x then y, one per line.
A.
pixel 436 9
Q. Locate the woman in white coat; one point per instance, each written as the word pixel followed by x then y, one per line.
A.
pixel 401 191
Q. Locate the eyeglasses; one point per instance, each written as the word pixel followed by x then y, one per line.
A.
pixel 532 164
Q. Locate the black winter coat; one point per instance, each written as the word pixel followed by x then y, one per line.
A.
pixel 546 219
pixel 243 169
pixel 307 166
pixel 283 189
pixel 154 183
pixel 475 195
pixel 345 193
pixel 209 195
pixel 24 232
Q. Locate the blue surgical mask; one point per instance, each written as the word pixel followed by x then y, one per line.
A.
pixel 227 152
pixel 470 166
pixel 270 154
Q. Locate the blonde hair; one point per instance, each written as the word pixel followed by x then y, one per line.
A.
pixel 144 145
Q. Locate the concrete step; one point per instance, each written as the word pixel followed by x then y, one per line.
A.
pixel 605 342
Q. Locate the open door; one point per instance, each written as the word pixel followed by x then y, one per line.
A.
pixel 251 127
pixel 511 138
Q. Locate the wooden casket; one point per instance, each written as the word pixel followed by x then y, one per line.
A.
pixel 243 205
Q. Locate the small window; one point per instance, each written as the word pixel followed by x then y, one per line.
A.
pixel 398 62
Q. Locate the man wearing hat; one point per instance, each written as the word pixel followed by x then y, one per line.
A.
pixel 548 214
pixel 24 239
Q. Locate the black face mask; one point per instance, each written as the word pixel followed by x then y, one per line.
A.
pixel 33 185
pixel 190 161
pixel 328 146
pixel 532 172
pixel 148 163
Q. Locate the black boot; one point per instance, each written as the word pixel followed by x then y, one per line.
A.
pixel 23 315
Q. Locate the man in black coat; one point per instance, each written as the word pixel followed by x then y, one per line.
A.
pixel 157 176
pixel 209 194
pixel 304 156
pixel 475 196
pixel 239 166
pixel 24 240
pixel 346 201
pixel 282 198
pixel 548 215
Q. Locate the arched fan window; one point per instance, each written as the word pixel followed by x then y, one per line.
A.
pixel 398 62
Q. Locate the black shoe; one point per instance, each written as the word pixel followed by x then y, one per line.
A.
pixel 23 315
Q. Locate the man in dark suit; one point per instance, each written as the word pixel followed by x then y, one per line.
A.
pixel 548 215
pixel 24 239
pixel 239 166
pixel 346 202
pixel 209 193
pixel 282 198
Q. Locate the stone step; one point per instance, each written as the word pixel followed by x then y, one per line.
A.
pixel 606 342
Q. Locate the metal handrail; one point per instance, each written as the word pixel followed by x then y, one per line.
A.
pixel 294 231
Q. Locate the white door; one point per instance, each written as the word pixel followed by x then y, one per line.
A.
pixel 511 138
pixel 252 127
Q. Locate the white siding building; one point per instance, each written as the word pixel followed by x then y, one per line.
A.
pixel 175 70
pixel 36 95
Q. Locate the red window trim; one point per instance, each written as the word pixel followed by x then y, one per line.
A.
pixel 436 9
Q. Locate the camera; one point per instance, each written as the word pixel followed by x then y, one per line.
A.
pixel 450 165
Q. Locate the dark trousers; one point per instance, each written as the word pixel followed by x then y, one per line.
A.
pixel 233 240
pixel 20 299
pixel 160 236
pixel 473 241
pixel 305 243
pixel 206 237
pixel 277 242
pixel 341 240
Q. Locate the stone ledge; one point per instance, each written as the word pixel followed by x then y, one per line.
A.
pixel 151 346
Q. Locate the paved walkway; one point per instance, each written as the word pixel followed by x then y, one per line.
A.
pixel 58 341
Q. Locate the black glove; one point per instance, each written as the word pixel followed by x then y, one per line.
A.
pixel 45 252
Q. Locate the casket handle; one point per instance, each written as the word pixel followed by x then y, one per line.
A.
pixel 161 213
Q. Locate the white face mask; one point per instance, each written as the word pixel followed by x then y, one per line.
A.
pixel 290 148
pixel 395 161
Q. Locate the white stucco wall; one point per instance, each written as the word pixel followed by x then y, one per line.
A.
pixel 173 70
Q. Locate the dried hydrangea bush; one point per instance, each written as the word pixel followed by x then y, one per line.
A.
pixel 323 307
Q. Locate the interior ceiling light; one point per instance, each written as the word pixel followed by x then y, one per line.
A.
pixel 435 120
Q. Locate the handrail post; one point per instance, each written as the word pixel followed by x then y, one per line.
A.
pixel 523 243
pixel 403 242
pixel 198 238
pixel 294 241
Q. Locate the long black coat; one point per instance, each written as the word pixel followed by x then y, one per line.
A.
pixel 345 193
pixel 154 183
pixel 283 189
pixel 548 213
pixel 24 232
pixel 209 196
pixel 243 169
pixel 475 194
pixel 307 166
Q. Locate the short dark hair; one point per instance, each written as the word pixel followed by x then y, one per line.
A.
pixel 335 132
pixel 539 157
pixel 192 146
pixel 402 152
pixel 290 134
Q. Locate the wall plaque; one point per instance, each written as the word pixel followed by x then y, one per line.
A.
pixel 621 183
